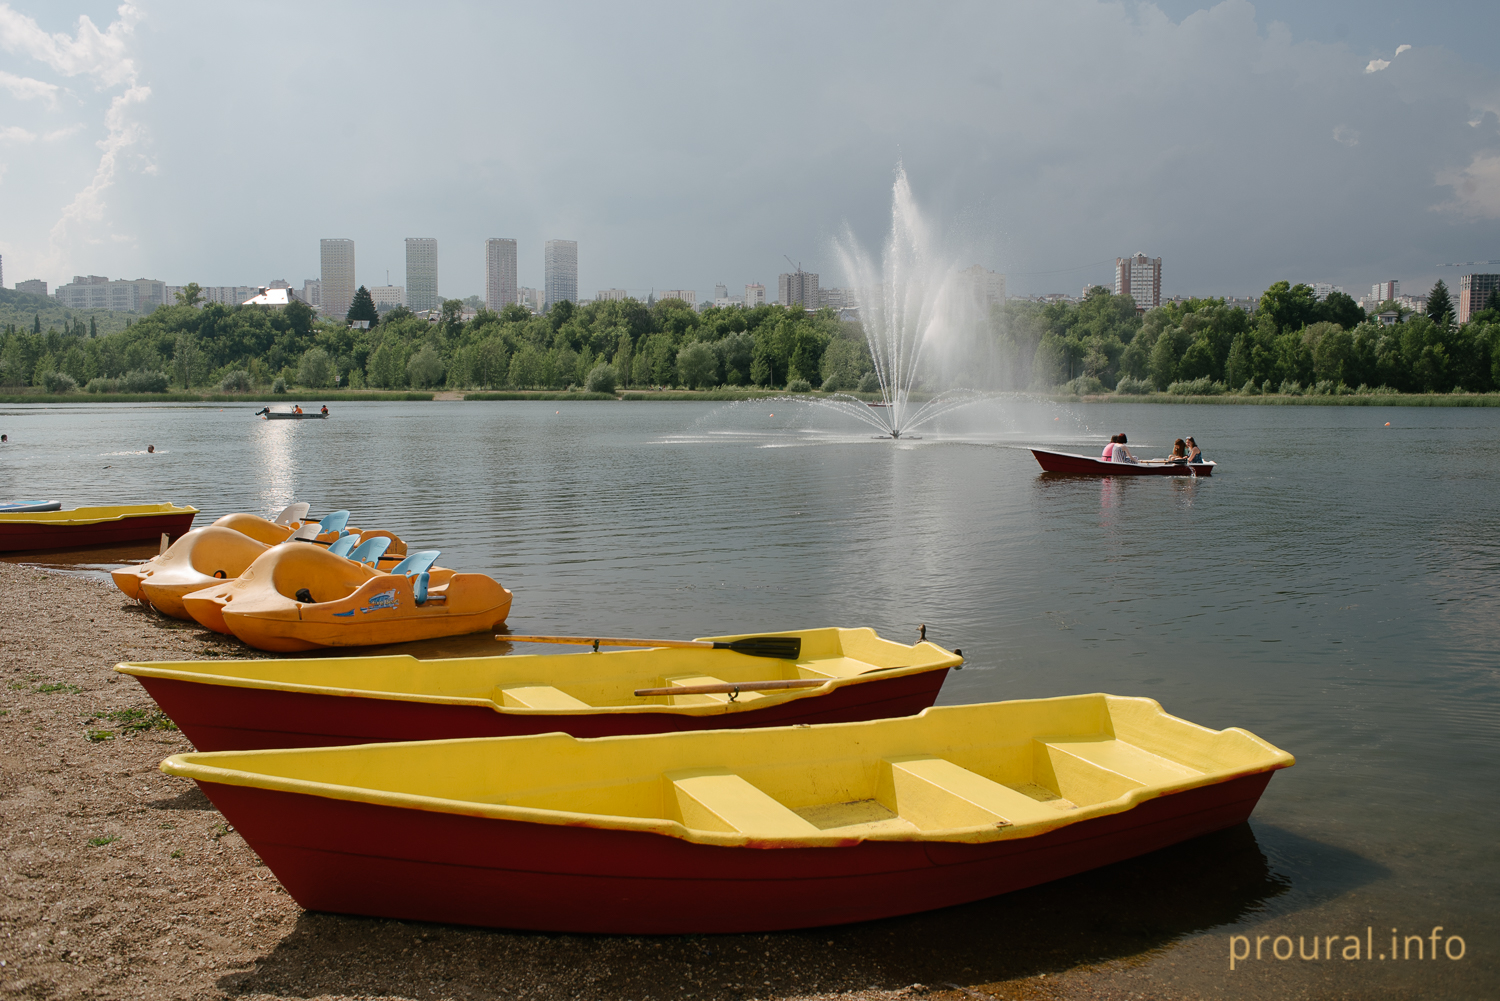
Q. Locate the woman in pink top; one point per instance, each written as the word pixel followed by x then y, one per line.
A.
pixel 1120 452
pixel 1109 449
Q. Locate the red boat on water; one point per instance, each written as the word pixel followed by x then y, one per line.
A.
pixel 93 526
pixel 1083 465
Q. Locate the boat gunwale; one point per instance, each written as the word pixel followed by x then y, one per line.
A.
pixel 124 512
pixel 189 765
pixel 146 669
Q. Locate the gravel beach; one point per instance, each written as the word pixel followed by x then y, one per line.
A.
pixel 122 882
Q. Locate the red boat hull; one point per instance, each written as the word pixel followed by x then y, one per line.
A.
pixel 18 537
pixel 385 861
pixel 1083 465
pixel 229 718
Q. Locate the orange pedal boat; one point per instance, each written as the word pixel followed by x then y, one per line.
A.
pixel 299 597
pixel 223 550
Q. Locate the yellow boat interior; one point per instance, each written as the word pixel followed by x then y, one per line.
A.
pixel 959 773
pixel 92 515
pixel 571 683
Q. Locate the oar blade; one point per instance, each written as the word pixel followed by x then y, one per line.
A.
pixel 774 647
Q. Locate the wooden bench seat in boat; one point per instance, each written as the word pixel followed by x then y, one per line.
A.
pixel 717 799
pixel 538 697
pixel 934 793
pixel 687 680
pixel 1093 770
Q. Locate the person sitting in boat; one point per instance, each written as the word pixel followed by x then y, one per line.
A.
pixel 1109 449
pixel 1179 451
pixel 297 409
pixel 1121 452
pixel 1195 454
pixel 325 410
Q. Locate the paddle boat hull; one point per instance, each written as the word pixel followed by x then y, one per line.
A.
pixel 354 604
pixel 438 831
pixel 282 416
pixel 240 705
pixel 1083 465
pixel 93 526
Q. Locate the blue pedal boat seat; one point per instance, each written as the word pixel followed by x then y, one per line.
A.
pixel 343 545
pixel 371 550
pixel 418 562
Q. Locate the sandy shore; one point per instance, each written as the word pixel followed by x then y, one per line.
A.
pixel 121 882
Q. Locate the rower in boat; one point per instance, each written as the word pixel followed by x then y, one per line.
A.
pixel 325 410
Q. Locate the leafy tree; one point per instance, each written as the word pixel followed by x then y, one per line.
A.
pixel 425 367
pixel 1340 308
pixel 1439 305
pixel 315 370
pixel 1290 307
pixel 387 365
pixel 698 365
pixel 602 378
pixel 191 294
pixel 363 307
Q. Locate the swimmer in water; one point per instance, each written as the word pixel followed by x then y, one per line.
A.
pixel 150 449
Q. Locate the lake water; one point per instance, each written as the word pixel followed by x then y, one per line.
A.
pixel 1334 587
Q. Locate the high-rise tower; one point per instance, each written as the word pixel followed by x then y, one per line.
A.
pixel 1140 278
pixel 500 273
pixel 337 283
pixel 422 273
pixel 561 272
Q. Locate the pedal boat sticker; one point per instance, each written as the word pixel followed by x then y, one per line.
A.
pixel 384 601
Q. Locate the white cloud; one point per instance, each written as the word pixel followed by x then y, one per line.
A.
pixel 1344 134
pixel 24 88
pixel 1476 188
pixel 62 133
pixel 101 55
pixel 16 134
pixel 1376 65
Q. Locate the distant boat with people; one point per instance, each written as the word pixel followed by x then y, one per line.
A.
pixel 295 413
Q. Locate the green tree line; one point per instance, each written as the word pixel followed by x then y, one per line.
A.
pixel 1291 343
pixel 619 344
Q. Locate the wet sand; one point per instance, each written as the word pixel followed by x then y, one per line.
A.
pixel 122 882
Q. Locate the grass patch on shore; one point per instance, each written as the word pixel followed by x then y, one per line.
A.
pixel 1351 400
pixel 131 721
pixel 56 686
pixel 104 839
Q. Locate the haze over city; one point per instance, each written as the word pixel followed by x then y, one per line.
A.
pixel 683 146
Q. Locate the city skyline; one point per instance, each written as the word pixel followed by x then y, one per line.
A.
pixel 1040 139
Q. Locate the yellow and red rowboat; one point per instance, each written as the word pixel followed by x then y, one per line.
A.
pixel 853 674
pixel 734 830
pixel 92 526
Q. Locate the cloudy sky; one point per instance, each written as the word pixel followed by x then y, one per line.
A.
pixel 688 144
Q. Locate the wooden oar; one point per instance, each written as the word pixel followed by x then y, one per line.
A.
pixel 731 689
pixel 775 647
